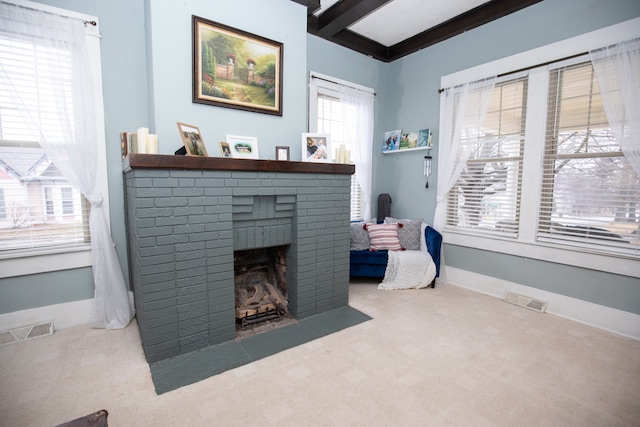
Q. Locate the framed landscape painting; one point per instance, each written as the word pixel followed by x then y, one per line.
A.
pixel 236 69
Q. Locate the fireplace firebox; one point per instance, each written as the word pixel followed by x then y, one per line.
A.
pixel 260 283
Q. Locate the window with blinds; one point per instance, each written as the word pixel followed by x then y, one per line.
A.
pixel 486 197
pixel 590 194
pixel 546 144
pixel 38 207
pixel 338 118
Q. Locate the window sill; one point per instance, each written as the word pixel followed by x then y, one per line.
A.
pixel 609 264
pixel 77 257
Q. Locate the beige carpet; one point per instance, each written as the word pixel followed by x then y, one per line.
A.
pixel 430 357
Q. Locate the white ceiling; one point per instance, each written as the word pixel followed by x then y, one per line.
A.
pixel 401 19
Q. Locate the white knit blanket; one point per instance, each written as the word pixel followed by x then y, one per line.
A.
pixel 408 270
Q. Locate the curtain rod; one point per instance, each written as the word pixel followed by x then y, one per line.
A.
pixel 350 87
pixel 532 67
pixel 92 23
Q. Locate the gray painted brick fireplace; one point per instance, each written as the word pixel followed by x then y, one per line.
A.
pixel 185 218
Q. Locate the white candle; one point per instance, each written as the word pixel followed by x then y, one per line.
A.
pixel 143 134
pixel 342 153
pixel 152 144
pixel 337 157
pixel 347 156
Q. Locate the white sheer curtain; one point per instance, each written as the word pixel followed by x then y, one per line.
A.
pixel 617 69
pixel 462 113
pixel 362 147
pixel 68 137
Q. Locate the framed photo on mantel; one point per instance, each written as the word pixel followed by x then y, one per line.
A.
pixel 192 140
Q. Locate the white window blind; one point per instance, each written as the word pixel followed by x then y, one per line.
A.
pixel 590 195
pixel 41 210
pixel 486 197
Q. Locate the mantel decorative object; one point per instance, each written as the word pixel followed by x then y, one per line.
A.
pixel 236 69
pixel 192 140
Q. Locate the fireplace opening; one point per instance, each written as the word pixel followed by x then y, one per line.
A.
pixel 260 281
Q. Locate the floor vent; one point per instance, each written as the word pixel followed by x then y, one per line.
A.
pixel 526 302
pixel 26 332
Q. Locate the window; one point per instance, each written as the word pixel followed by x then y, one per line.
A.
pixel 345 112
pixel 31 182
pixel 67 200
pixel 338 119
pixel 45 227
pixel 486 198
pixel 590 192
pixel 546 177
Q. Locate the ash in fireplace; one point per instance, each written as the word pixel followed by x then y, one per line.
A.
pixel 267 325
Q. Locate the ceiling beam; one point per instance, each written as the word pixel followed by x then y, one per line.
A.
pixel 361 44
pixel 345 13
pixel 469 20
pixel 333 24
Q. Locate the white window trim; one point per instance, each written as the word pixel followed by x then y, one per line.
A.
pixel 526 245
pixel 12 265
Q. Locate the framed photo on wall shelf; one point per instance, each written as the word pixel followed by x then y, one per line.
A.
pixel 392 140
pixel 192 140
pixel 316 147
pixel 236 69
pixel 282 153
pixel 398 142
pixel 243 147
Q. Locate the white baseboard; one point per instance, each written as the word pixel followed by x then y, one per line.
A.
pixel 607 318
pixel 64 316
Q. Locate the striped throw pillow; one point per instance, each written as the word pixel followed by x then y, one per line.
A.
pixel 384 237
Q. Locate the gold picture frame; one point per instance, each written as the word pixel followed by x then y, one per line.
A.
pixel 236 69
pixel 192 140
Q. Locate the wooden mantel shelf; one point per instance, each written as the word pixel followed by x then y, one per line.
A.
pixel 163 161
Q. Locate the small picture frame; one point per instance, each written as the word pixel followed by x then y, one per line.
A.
pixel 192 140
pixel 225 150
pixel 392 140
pixel 243 147
pixel 282 153
pixel 316 147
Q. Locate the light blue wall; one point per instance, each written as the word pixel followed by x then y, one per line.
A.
pixel 146 71
pixel 146 66
pixel 280 20
pixel 410 91
pixel 412 85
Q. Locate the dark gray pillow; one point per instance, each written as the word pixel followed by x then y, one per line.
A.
pixel 408 232
pixel 360 236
